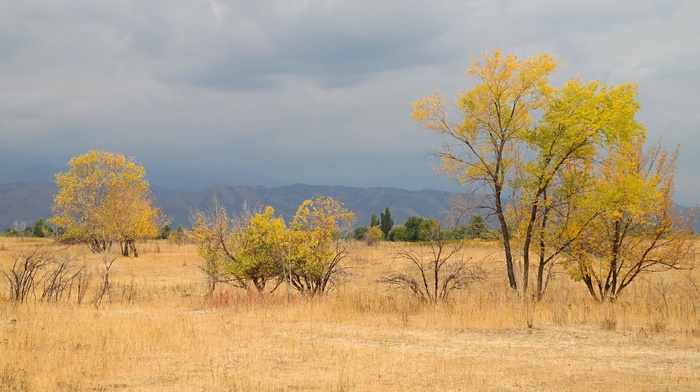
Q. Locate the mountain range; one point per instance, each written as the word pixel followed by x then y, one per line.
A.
pixel 23 203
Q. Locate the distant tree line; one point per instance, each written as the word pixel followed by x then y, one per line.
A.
pixel 419 229
pixel 21 229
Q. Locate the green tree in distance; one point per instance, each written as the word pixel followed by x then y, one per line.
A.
pixel 386 223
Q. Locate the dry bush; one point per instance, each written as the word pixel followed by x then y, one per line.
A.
pixel 53 275
pixel 435 273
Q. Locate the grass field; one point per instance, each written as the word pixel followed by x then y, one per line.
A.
pixel 161 332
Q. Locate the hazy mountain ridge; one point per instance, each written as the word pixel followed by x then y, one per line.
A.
pixel 25 202
pixel 28 201
pixel 285 199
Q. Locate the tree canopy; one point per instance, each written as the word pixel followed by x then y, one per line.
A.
pixel 104 198
pixel 535 153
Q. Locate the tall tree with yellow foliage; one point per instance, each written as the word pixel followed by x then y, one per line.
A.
pixel 484 146
pixel 582 123
pixel 104 198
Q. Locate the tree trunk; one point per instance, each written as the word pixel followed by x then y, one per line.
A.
pixel 589 284
pixel 541 287
pixel 526 249
pixel 540 278
pixel 506 240
pixel 132 245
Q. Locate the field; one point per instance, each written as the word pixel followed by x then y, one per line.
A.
pixel 160 331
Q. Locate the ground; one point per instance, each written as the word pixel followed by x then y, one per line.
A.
pixel 161 331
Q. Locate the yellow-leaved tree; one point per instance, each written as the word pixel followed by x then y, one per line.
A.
pixel 634 229
pixel 258 248
pixel 249 248
pixel 104 198
pixel 483 147
pixel 537 176
pixel 583 121
pixel 317 248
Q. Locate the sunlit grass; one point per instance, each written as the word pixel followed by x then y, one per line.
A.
pixel 161 331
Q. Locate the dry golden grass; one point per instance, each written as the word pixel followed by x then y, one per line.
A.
pixel 162 333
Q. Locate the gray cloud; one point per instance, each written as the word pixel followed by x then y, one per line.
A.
pixel 309 90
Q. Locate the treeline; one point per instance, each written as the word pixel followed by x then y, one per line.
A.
pixel 42 229
pixel 416 229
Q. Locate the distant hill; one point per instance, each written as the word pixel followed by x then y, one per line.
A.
pixel 362 201
pixel 25 202
pixel 28 201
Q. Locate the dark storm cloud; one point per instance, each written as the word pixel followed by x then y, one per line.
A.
pixel 337 44
pixel 314 91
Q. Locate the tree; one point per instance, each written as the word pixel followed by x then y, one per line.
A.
pixel 582 122
pixel 413 226
pixel 218 237
pixel 360 232
pixel 386 223
pixel 317 248
pixel 263 249
pixel 634 228
pixel 104 198
pixel 477 228
pixel 397 234
pixel 531 171
pixel 434 271
pixel 165 232
pixel 258 248
pixel 374 222
pixel 484 150
pixel 38 229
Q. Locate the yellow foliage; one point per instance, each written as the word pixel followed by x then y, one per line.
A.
pixel 259 248
pixel 263 248
pixel 316 248
pixel 633 229
pixel 104 197
pixel 494 116
pixel 579 172
pixel 373 235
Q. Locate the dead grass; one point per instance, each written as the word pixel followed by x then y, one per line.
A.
pixel 170 336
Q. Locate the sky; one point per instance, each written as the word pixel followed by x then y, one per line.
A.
pixel 315 92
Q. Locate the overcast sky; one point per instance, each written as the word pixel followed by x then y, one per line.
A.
pixel 316 92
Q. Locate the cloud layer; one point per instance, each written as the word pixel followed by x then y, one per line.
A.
pixel 314 91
